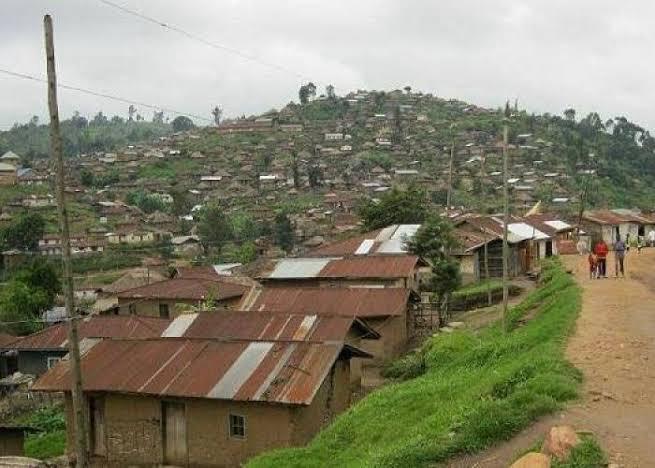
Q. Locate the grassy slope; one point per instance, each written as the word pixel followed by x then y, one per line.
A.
pixel 477 390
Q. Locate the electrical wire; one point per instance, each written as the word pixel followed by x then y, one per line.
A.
pixel 26 76
pixel 197 38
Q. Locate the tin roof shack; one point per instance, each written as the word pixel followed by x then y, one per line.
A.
pixel 375 271
pixel 38 352
pixel 281 326
pixel 389 311
pixel 558 230
pixel 195 402
pixel 610 225
pixel 171 297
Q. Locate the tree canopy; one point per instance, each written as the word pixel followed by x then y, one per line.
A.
pixel 23 233
pixel 394 207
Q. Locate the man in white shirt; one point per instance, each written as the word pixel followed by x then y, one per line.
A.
pixel 651 238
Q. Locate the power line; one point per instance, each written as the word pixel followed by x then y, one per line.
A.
pixel 25 76
pixel 204 41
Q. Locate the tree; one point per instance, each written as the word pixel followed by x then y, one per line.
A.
pixel 99 119
pixel 283 232
pixel 433 242
pixel 214 228
pixel 295 169
pixel 131 111
pixel 182 124
pixel 158 117
pixel 181 203
pixel 24 233
pixel 569 114
pixel 217 113
pixel 408 89
pixel 40 274
pixel 394 207
pixel 329 92
pixel 20 303
pixel 315 175
pixel 306 92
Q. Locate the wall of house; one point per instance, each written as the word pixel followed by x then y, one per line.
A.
pixel 392 342
pixel 150 308
pixel 8 178
pixel 468 268
pixel 36 362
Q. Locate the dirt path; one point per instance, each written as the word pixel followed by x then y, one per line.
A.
pixel 614 347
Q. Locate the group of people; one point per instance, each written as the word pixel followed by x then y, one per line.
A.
pixel 598 259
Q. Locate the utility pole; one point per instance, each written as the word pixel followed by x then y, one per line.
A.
pixel 73 338
pixel 483 176
pixel 449 195
pixel 505 216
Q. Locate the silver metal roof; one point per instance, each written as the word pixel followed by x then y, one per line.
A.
pixel 299 267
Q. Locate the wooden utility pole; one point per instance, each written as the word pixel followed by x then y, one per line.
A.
pixel 73 338
pixel 449 195
pixel 483 176
pixel 505 216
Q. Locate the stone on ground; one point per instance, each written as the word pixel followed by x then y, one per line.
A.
pixel 559 442
pixel 532 460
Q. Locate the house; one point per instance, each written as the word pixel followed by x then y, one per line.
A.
pixel 36 353
pixel 389 240
pixel 10 158
pixel 8 174
pixel 172 297
pixel 609 225
pixel 388 311
pixel 81 244
pixel 131 235
pixel 198 402
pixel 186 245
pixel 334 136
pixel 387 271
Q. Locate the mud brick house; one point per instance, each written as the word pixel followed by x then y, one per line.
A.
pixel 197 402
pixel 388 311
pixel 171 297
pixel 36 353
pixel 387 271
pixel 611 225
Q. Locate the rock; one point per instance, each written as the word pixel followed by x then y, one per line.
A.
pixel 559 441
pixel 532 460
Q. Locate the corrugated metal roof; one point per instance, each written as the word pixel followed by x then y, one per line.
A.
pixel 365 247
pixel 299 268
pixel 604 217
pixel 350 302
pixel 56 336
pixel 279 372
pixel 257 326
pixel 389 240
pixel 558 225
pixel 382 266
pixel 526 231
pixel 405 231
pixel 196 289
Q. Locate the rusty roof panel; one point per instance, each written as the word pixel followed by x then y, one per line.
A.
pixel 376 266
pixel 280 372
pixel 194 289
pixel 95 326
pixel 349 302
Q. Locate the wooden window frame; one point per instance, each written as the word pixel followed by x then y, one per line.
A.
pixel 52 361
pixel 245 426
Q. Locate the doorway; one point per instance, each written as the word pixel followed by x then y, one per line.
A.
pixel 174 436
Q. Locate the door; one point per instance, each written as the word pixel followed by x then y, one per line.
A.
pixel 97 415
pixel 174 433
pixel 549 248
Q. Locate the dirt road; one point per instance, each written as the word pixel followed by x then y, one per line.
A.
pixel 614 347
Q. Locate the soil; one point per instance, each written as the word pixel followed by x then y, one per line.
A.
pixel 614 347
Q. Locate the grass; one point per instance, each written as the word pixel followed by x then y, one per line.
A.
pixel 474 391
pixel 49 440
pixel 588 454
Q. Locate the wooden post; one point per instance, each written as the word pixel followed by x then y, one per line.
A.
pixel 449 195
pixel 73 339
pixel 505 217
pixel 483 176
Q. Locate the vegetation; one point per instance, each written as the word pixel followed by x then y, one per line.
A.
pixel 394 207
pixel 49 440
pixel 473 391
pixel 588 454
pixel 23 233
pixel 283 232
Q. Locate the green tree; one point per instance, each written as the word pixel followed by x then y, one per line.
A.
pixel 330 93
pixel 214 228
pixel 20 303
pixel 217 113
pixel 283 232
pixel 181 203
pixel 41 275
pixel 182 124
pixel 394 207
pixel 24 233
pixel 306 91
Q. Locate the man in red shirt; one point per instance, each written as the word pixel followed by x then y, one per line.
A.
pixel 601 251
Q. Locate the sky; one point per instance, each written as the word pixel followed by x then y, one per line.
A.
pixel 548 54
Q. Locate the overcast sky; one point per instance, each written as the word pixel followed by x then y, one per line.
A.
pixel 550 54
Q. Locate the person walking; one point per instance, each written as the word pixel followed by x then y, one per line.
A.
pixel 619 258
pixel 651 238
pixel 601 251
pixel 593 265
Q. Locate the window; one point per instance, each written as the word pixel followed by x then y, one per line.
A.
pixel 52 360
pixel 132 309
pixel 163 311
pixel 237 426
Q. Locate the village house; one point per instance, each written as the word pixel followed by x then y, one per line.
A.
pixel 389 271
pixel 201 402
pixel 50 244
pixel 188 246
pixel 610 225
pixel 388 311
pixel 36 353
pixel 8 174
pixel 175 296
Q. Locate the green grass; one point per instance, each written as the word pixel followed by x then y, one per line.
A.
pixel 476 390
pixel 479 287
pixel 49 440
pixel 588 454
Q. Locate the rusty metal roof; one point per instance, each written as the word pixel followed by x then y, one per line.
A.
pixel 350 302
pixel 196 289
pixel 277 372
pixel 258 326
pixel 605 217
pixel 375 266
pixel 56 336
pixel 389 240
